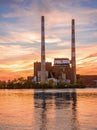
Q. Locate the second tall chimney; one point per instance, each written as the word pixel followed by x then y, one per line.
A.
pixel 73 54
pixel 43 72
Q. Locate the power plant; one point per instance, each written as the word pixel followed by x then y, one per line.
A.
pixel 63 68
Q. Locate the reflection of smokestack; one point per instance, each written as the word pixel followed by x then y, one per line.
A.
pixel 73 55
pixel 43 73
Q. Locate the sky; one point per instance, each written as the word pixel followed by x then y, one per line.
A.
pixel 20 34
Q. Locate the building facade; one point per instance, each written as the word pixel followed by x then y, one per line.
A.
pixel 37 69
pixel 61 69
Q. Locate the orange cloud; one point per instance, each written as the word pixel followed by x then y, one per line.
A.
pixel 88 65
pixel 11 68
pixel 8 75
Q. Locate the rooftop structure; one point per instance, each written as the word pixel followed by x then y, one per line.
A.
pixel 61 61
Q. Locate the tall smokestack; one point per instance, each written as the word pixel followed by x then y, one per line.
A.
pixel 43 72
pixel 73 54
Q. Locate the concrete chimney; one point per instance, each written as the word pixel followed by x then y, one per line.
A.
pixel 43 71
pixel 73 54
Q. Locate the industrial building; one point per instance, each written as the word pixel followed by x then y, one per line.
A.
pixel 37 70
pixel 63 68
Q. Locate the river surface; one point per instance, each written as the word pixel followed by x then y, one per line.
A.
pixel 64 109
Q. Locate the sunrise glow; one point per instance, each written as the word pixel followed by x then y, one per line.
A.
pixel 20 34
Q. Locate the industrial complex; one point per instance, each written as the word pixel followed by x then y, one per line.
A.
pixel 64 69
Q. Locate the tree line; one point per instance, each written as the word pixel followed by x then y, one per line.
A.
pixel 22 83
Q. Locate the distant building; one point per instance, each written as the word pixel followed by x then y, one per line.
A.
pixel 89 80
pixel 30 78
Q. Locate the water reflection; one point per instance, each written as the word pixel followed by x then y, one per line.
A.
pixel 43 114
pixel 66 109
pixel 56 101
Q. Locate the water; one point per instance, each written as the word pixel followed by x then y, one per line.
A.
pixel 67 109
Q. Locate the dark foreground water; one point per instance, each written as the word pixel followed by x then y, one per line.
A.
pixel 67 109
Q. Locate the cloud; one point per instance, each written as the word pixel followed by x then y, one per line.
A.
pixel 14 67
pixel 64 44
pixel 14 51
pixel 91 56
pixel 8 75
pixel 87 65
